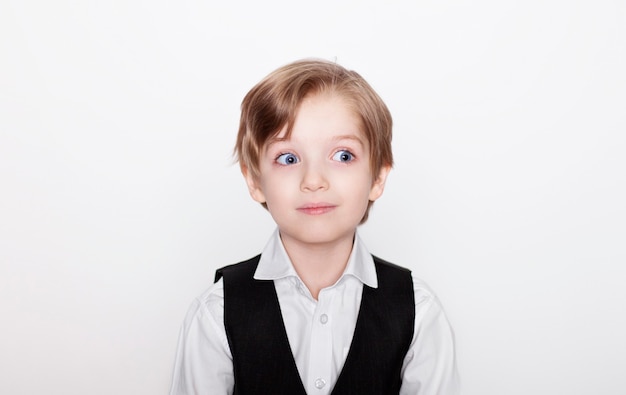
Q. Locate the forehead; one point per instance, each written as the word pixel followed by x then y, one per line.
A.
pixel 322 115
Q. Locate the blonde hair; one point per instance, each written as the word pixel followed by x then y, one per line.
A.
pixel 272 105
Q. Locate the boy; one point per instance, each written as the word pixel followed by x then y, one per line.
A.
pixel 315 313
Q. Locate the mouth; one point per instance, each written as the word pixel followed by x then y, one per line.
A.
pixel 316 208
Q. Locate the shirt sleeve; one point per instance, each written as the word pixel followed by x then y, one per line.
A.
pixel 430 365
pixel 203 364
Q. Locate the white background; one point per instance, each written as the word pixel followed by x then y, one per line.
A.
pixel 119 199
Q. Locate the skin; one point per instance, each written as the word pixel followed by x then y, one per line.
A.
pixel 317 185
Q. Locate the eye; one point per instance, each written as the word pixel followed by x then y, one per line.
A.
pixel 343 156
pixel 287 159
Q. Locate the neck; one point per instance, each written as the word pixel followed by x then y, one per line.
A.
pixel 319 265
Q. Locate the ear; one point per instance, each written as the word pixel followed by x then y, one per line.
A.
pixel 378 186
pixel 253 185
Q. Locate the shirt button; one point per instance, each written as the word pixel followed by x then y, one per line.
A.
pixel 323 318
pixel 320 383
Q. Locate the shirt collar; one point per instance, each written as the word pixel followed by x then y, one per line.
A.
pixel 275 263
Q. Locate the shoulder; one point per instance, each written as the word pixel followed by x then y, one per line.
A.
pixel 430 317
pixel 209 304
pixel 211 301
pixel 428 307
pixel 424 296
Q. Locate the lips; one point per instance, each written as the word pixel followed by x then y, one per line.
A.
pixel 316 208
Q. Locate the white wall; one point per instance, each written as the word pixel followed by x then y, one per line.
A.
pixel 118 199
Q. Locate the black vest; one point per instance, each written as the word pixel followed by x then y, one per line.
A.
pixel 262 359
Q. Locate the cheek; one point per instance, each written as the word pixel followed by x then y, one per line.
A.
pixel 358 187
pixel 278 189
pixel 361 181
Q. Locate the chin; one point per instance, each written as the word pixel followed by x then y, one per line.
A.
pixel 319 235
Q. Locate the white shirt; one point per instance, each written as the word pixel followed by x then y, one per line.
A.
pixel 319 331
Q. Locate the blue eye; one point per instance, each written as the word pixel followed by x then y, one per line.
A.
pixel 287 159
pixel 343 156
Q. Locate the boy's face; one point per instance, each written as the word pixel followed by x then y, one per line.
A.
pixel 318 183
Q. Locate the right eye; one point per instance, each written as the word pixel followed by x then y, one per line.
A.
pixel 287 159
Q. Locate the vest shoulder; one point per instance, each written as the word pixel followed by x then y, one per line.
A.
pixel 387 264
pixel 239 267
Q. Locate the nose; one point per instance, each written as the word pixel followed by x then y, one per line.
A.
pixel 313 179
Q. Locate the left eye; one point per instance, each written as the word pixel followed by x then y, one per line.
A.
pixel 287 159
pixel 343 156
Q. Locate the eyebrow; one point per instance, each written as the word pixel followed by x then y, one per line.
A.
pixel 272 141
pixel 350 137
pixel 275 140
